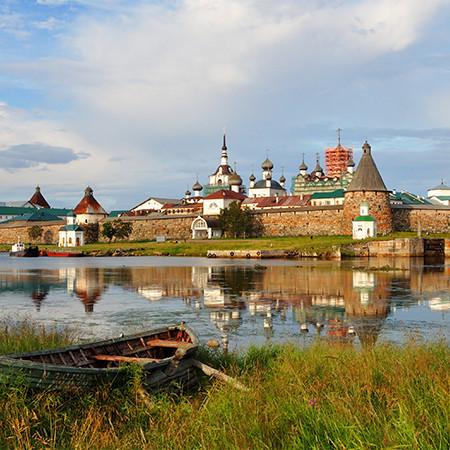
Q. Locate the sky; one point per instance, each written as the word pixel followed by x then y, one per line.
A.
pixel 131 97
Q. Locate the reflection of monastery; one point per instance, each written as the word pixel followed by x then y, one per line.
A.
pixel 317 202
pixel 332 302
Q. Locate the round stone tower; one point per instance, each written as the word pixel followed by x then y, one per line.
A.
pixel 367 185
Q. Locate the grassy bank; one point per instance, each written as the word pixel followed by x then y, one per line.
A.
pixel 318 397
pixel 318 244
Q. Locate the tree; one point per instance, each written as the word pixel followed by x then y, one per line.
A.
pixel 90 232
pixel 237 221
pixel 117 229
pixel 108 231
pixel 123 229
pixel 35 232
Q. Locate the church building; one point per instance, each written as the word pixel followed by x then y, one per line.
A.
pixel 220 179
pixel 267 187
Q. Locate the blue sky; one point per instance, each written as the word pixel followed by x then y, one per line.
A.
pixel 131 97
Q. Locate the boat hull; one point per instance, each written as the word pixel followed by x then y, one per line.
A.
pixel 28 252
pixel 165 356
pixel 56 254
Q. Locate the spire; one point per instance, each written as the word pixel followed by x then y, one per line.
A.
pixel 303 167
pixel 282 178
pixel 224 159
pixel 318 170
pixel 339 136
pixel 197 187
pixel 367 177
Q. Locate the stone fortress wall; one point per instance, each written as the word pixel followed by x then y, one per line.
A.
pixel 314 220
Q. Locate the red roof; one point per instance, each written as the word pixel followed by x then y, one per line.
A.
pixel 226 194
pixel 38 199
pixel 89 205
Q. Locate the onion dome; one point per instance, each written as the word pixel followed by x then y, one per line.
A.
pixel 350 163
pixel 187 193
pixel 318 168
pixel 267 164
pixel 303 166
pixel 235 180
pixel 252 177
pixel 282 179
pixel 197 186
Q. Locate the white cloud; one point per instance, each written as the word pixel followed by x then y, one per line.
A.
pixel 141 78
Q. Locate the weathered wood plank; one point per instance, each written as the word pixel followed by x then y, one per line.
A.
pixel 208 370
pixel 129 359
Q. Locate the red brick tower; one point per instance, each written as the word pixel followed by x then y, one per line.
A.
pixel 368 185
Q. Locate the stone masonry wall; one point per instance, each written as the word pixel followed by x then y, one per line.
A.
pixel 170 227
pixel 379 208
pixel 9 234
pixel 413 218
pixel 315 221
pixel 306 221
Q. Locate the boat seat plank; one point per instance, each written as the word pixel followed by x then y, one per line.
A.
pixel 152 344
pixel 124 359
pixel 164 343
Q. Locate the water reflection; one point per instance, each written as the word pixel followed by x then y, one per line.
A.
pixel 337 301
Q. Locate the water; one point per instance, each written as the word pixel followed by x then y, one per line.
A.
pixel 237 302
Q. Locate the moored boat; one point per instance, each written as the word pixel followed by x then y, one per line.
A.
pixel 19 249
pixel 165 355
pixel 61 254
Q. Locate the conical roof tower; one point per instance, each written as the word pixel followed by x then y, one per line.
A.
pixel 367 177
pixel 38 199
pixel 367 185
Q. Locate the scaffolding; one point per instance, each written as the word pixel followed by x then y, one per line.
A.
pixel 336 160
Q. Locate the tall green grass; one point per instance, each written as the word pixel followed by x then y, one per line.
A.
pixel 322 396
pixel 21 335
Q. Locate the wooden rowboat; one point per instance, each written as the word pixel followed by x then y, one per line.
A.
pixel 165 355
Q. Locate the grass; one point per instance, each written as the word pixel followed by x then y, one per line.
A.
pixel 317 244
pixel 322 396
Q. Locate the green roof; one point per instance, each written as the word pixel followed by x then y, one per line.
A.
pixel 117 212
pixel 38 215
pixel 72 227
pixel 364 219
pixel 14 210
pixel 409 199
pixel 338 193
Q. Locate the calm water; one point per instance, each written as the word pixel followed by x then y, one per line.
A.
pixel 236 302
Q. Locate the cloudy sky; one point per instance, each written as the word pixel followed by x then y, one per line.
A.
pixel 131 97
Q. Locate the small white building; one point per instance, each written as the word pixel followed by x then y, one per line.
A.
pixel 205 228
pixel 215 202
pixel 71 235
pixel 440 195
pixel 154 204
pixel 364 226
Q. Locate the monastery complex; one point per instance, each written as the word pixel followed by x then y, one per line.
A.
pixel 341 199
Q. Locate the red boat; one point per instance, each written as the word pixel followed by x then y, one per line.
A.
pixel 61 254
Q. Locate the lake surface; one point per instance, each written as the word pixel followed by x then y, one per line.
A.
pixel 237 302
